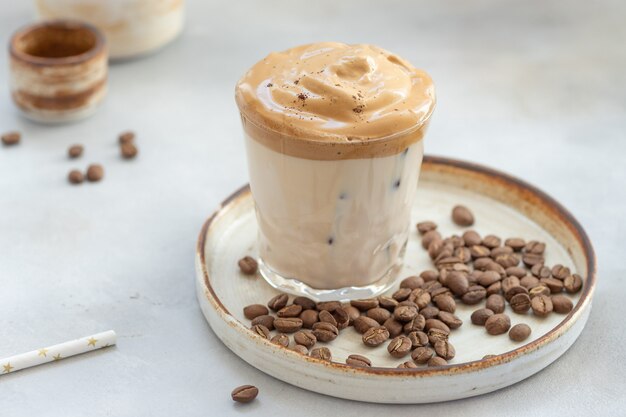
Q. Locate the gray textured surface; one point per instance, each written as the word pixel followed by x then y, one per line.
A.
pixel 537 90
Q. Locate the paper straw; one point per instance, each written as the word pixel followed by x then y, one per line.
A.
pixel 57 352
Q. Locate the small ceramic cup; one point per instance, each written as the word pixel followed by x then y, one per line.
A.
pixel 58 70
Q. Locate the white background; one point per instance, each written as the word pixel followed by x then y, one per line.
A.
pixel 536 89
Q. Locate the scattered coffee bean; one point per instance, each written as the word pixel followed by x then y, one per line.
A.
pixel 126 137
pixel 520 303
pixel 322 353
pixel 353 313
pixel 541 305
pixel 472 238
pixel 444 349
pixel 300 349
pixel 248 265
pixel 358 360
pixel 128 150
pixel 280 339
pixel 436 324
pixel 435 335
pixel 266 320
pixel 538 290
pixel 244 393
pixel 516 271
pixel 479 317
pixel 496 303
pixel 75 177
pixel 488 277
pixel 531 259
pixel 375 336
pixel 513 291
pixel 412 282
pixel 561 304
pixel 305 303
pixel 75 151
pixel 401 294
pixel 474 295
pixel 400 346
pixel 329 306
pixel 421 297
pixel 510 282
pixel 519 332
pixel 535 247
pixel 405 313
pixel 445 303
pixel 492 241
pixel 309 318
pixel 379 314
pixel 529 281
pixel 429 312
pixel 430 237
pixel 278 302
pixel 341 318
pixel 394 327
pixel 450 320
pixel 324 332
pixel 305 338
pixel 365 304
pixel 555 285
pixel 292 310
pixel 573 283
pixel 417 324
pixel 418 339
pixel 560 272
pixel 429 275
pixel 426 226
pixel 495 288
pixel 421 355
pixel 95 172
pixel 364 323
pixel 462 216
pixel 437 361
pixel 515 243
pixel 541 271
pixel 255 310
pixel 261 330
pixel 11 138
pixel 498 324
pixel 457 282
pixel 407 365
pixel 288 324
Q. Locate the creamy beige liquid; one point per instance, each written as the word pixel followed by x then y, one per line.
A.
pixel 333 136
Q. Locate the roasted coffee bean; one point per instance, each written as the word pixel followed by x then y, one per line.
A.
pixel 324 332
pixel 555 285
pixel 482 263
pixel 365 304
pixel 444 349
pixel 501 250
pixel 480 316
pixel 406 365
pixel 520 303
pixel 535 247
pixel 421 355
pixel 472 238
pixel 433 291
pixel 405 313
pixel 379 314
pixel 507 260
pixel 128 150
pixel 305 338
pixel 515 243
pixel 416 324
pixel 394 327
pixel 358 360
pixel 399 347
pixel 402 294
pixel 464 254
pixel 254 310
pixel 75 177
pixel 11 138
pixel 437 361
pixel 436 324
pixel 95 172
pixel 426 226
pixel 418 339
pixel 516 271
pixel 126 137
pixel 457 282
pixel 539 290
pixel 406 303
pixel 278 302
pixel 429 237
pixel 288 324
pixel 326 317
pixel 309 318
pixel 541 271
pixel 305 303
pixel 492 241
pixel 573 283
pixel 292 310
pixel 261 330
pixel 529 281
pixel 439 293
pixel 435 334
pixel 281 339
pixel 472 277
pixel 375 336
pixel 75 151
pixel 364 323
pixel 519 332
pixel 447 262
pixel 265 319
pixel 531 259
pixel 429 275
pixel 541 305
pixel 474 295
pixel 244 393
pixel 495 288
pixel 353 313
pixel 322 353
pixel 562 304
pixel 412 282
pixel 456 241
pixel 496 303
pixel 513 291
pixel 387 303
pixel 462 216
pixel 420 297
pixel 450 320
pixel 436 247
pixel 488 277
pixel 429 312
pixel 445 303
pixel 494 266
pixel 248 265
pixel 498 324
pixel 329 306
pixel 510 282
pixel 300 349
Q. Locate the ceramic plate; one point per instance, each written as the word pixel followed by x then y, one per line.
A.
pixel 502 205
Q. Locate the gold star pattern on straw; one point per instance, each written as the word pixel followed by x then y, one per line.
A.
pixel 92 342
pixel 7 368
pixel 57 357
pixel 43 352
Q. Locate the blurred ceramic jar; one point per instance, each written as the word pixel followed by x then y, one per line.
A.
pixel 132 27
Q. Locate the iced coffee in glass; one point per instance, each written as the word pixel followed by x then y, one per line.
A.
pixel 334 142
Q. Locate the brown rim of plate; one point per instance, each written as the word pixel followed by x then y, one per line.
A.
pixel 54 61
pixel 441 164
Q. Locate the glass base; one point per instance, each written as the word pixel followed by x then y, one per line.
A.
pixel 299 288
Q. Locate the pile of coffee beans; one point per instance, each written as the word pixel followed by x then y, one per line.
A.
pixel 417 320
